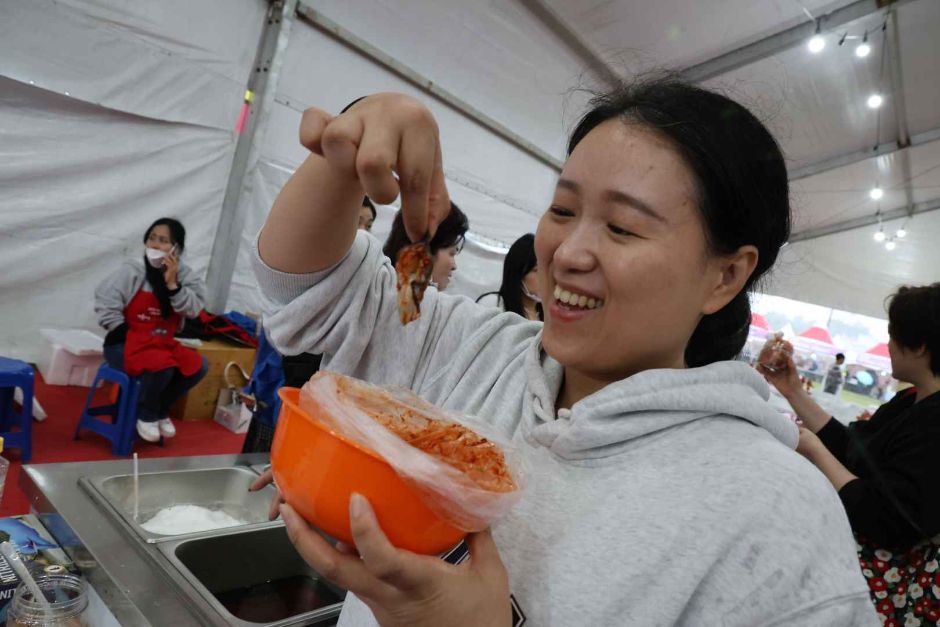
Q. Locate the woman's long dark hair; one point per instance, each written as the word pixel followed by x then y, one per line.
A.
pixel 518 263
pixel 155 275
pixel 449 233
pixel 743 191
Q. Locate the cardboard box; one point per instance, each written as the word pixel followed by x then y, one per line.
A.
pixel 200 402
pixel 39 551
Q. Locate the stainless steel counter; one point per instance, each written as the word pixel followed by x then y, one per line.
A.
pixel 126 574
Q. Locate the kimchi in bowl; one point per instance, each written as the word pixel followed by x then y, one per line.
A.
pixel 317 470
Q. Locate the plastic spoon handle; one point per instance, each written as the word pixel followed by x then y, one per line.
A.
pixel 13 559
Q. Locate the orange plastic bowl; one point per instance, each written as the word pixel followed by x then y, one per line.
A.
pixel 317 470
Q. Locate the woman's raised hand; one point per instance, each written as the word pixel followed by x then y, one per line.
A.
pixel 390 143
pixel 171 266
pixel 786 379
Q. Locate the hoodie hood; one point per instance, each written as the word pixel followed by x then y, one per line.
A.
pixel 649 402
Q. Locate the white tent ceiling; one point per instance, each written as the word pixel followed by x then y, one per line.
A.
pixel 815 104
pixel 679 33
pixel 164 80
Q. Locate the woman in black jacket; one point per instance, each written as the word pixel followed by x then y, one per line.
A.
pixel 885 469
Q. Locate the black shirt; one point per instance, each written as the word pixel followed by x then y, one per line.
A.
pixel 895 501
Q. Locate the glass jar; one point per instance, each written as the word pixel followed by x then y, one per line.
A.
pixel 776 353
pixel 68 602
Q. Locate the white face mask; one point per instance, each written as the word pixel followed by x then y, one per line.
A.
pixel 526 291
pixel 155 257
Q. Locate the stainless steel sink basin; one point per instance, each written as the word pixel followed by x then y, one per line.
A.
pixel 254 577
pixel 222 489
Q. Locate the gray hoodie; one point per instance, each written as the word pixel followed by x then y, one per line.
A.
pixel 673 497
pixel 115 292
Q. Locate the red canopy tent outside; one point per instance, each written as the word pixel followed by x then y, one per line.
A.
pixel 759 326
pixel 876 357
pixel 815 340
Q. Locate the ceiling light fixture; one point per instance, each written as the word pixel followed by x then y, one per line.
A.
pixel 890 245
pixel 816 44
pixel 863 49
pixel 876 193
pixel 874 101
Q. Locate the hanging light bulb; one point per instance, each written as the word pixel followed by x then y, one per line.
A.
pixel 816 43
pixel 901 233
pixel 863 49
pixel 890 245
pixel 876 193
pixel 874 101
pixel 879 235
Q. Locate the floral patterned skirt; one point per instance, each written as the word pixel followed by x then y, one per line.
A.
pixel 904 587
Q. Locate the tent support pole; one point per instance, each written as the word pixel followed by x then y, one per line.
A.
pixel 864 221
pixel 261 84
pixel 880 150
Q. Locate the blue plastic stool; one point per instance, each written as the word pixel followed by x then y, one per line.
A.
pixel 16 374
pixel 120 429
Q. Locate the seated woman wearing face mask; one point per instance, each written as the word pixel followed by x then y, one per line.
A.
pixel 142 306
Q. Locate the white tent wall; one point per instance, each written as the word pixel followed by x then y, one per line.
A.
pixel 112 114
pixel 502 189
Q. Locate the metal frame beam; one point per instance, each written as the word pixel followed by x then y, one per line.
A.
pixel 868 220
pixel 262 83
pixel 311 15
pixel 577 44
pixel 784 40
pixel 880 150
pixel 893 42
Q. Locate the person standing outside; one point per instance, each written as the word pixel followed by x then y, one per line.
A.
pixel 835 376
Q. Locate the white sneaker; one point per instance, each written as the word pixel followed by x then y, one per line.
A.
pixel 148 431
pixel 166 427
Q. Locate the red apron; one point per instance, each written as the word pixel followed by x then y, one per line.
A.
pixel 150 344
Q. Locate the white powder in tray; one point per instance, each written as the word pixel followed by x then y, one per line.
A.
pixel 180 519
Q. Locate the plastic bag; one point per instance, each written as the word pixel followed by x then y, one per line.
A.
pixel 463 471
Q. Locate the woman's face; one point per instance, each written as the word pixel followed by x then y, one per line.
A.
pixel 445 264
pixel 159 238
pixel 623 240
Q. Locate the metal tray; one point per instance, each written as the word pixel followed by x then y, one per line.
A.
pixel 224 489
pixel 238 560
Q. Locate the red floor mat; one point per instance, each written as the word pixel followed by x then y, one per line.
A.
pixel 52 441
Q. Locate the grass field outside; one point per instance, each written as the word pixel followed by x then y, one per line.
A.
pixel 861 400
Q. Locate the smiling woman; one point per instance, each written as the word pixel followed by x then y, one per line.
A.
pixel 668 219
pixel 663 488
